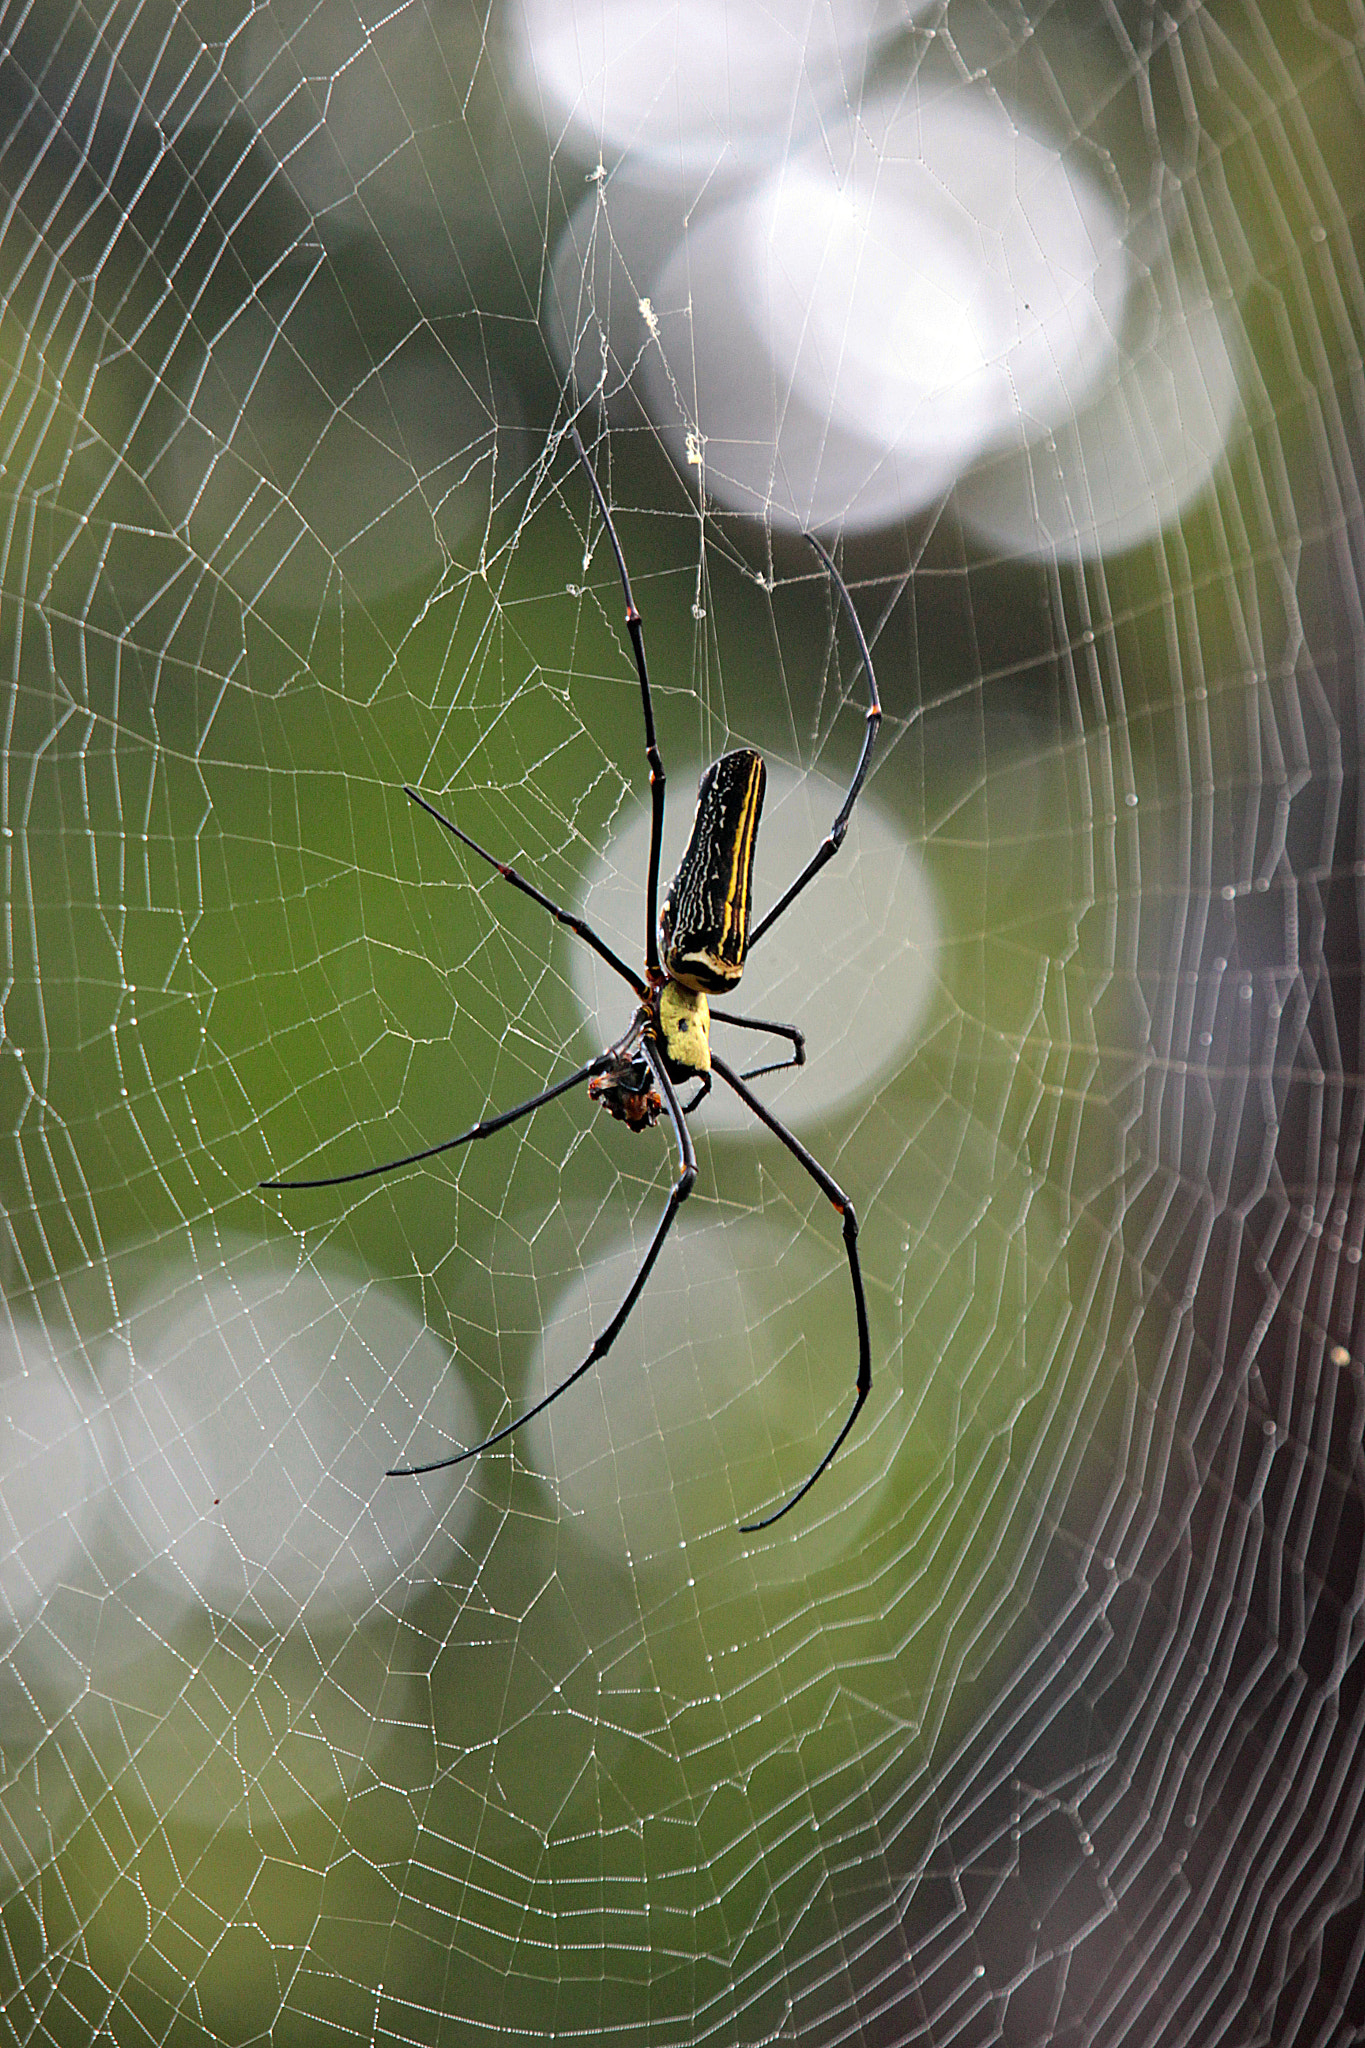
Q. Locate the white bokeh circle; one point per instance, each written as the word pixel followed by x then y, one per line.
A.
pixel 688 86
pixel 1142 447
pixel 958 276
pixel 250 1446
pixel 770 446
pixel 726 1385
pixel 48 1471
pixel 859 325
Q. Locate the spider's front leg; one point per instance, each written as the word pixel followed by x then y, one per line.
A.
pixel 834 838
pixel 830 1188
pixel 657 778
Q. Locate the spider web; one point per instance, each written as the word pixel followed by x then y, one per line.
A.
pixel 1040 1720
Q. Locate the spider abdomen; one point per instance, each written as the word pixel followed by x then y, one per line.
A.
pixel 704 922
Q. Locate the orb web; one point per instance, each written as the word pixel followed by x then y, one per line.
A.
pixel 1041 1719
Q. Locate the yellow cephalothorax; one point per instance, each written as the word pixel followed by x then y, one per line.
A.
pixel 685 1029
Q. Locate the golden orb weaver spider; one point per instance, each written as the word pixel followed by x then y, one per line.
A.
pixel 695 947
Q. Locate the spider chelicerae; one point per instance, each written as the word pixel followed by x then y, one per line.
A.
pixel 695 947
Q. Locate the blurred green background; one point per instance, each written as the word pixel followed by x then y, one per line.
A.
pixel 288 525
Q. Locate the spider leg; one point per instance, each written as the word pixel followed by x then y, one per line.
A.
pixel 797 1040
pixel 579 925
pixel 703 1090
pixel 682 1188
pixel 834 839
pixel 836 1195
pixel 657 779
pixel 479 1130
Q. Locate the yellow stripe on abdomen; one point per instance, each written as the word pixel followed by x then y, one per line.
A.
pixel 704 923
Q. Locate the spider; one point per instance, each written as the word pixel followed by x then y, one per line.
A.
pixel 695 947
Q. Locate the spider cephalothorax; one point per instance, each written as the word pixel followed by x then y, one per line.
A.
pixel 694 948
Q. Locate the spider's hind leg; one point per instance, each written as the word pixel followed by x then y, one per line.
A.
pixel 830 1188
pixel 657 778
pixel 834 838
pixel 682 1188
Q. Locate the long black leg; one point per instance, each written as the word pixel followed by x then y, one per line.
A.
pixel 682 1188
pixel 797 1040
pixel 479 1130
pixel 834 839
pixel 509 874
pixel 831 1188
pixel 635 628
pixel 703 1090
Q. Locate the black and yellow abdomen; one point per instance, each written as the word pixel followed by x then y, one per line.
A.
pixel 704 922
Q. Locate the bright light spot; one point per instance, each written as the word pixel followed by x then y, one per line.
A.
pixel 51 1589
pixel 886 299
pixel 858 328
pixel 1142 446
pixel 726 1384
pixel 935 295
pixel 48 1470
pixel 686 84
pixel 251 1448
